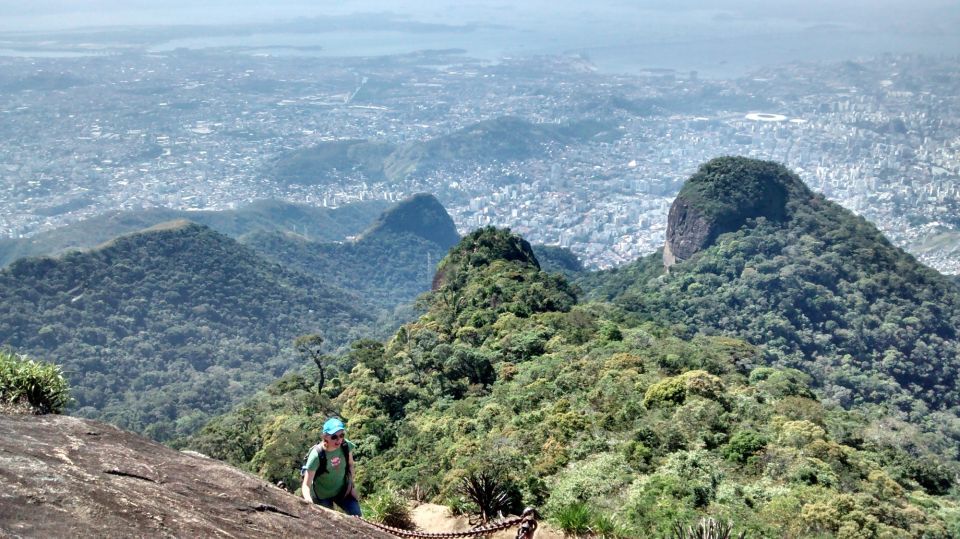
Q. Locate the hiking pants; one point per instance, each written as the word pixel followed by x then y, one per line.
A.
pixel 349 504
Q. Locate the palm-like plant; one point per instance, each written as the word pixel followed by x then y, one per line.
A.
pixel 707 528
pixel 491 493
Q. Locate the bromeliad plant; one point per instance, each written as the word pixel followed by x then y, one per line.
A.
pixel 39 386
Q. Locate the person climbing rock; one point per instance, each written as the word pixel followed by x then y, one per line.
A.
pixel 329 470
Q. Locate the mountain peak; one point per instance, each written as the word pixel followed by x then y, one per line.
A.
pixel 721 196
pixel 421 215
pixel 482 247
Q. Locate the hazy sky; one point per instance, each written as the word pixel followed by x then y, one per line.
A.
pixel 47 14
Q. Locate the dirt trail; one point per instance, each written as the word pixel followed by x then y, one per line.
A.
pixel 436 518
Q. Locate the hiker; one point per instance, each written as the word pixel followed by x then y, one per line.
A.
pixel 334 482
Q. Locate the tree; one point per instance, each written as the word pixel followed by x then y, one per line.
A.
pixel 310 346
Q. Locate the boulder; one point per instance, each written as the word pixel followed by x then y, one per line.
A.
pixel 63 476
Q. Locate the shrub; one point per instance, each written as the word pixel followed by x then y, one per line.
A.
pixel 458 505
pixel 744 445
pixel 574 519
pixel 606 527
pixel 667 392
pixel 38 385
pixel 800 433
pixel 390 509
pixel 782 382
pixel 674 390
pixel 593 480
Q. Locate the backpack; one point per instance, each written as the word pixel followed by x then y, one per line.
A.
pixel 322 464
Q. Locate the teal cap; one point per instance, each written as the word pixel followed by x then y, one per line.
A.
pixel 333 426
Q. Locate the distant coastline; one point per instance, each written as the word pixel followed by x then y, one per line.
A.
pixel 690 44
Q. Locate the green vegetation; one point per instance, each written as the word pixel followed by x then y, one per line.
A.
pixel 707 528
pixel 612 425
pixel 727 189
pixel 422 216
pixel 825 293
pixel 151 321
pixel 797 377
pixel 500 139
pixel 33 385
pixel 490 493
pixel 384 271
pixel 389 508
pixel 316 165
pixel 317 224
pixel 559 260
pixel 389 266
pixel 157 331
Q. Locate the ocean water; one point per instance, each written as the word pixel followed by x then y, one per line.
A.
pixel 710 55
pixel 728 38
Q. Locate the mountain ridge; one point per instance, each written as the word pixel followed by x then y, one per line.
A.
pixel 500 139
pixel 146 323
pixel 583 406
pixel 319 223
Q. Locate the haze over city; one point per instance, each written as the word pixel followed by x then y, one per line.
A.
pixel 171 80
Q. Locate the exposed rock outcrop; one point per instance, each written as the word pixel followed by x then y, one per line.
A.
pixel 721 197
pixel 68 477
pixel 688 231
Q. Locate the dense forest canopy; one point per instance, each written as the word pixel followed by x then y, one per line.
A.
pixel 823 291
pixel 796 374
pixel 146 326
pixel 584 409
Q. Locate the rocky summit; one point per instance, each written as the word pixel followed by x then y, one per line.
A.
pixel 722 195
pixel 67 477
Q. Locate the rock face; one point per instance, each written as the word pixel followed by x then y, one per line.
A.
pixel 67 477
pixel 687 232
pixel 721 197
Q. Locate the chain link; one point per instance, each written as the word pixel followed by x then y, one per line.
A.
pixel 525 531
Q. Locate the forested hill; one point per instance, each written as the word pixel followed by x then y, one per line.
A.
pixel 608 425
pixel 820 288
pixel 317 224
pixel 421 215
pixel 500 139
pixel 389 265
pixel 159 329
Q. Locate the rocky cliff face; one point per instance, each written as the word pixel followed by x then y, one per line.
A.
pixel 723 195
pixel 688 231
pixel 67 477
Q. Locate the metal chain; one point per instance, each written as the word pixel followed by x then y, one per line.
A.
pixel 528 524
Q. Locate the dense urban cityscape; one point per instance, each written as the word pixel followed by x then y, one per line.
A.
pixel 206 129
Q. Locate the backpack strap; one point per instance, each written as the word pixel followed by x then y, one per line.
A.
pixel 322 456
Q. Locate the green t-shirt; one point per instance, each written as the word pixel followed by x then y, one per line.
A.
pixel 328 485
